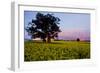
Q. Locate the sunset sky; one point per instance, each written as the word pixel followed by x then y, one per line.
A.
pixel 72 25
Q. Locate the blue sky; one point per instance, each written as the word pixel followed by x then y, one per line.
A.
pixel 72 25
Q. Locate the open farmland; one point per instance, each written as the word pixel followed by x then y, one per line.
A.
pixel 56 50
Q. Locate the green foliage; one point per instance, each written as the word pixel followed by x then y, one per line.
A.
pixel 44 26
pixel 57 50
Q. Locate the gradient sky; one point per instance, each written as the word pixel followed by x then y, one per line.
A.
pixel 72 25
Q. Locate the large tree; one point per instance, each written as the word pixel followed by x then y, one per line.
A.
pixel 45 26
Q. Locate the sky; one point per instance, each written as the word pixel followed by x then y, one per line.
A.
pixel 72 25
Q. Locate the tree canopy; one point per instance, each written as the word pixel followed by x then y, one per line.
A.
pixel 45 26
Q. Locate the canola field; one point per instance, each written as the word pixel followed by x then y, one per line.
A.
pixel 56 50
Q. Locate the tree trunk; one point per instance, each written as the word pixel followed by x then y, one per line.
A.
pixel 44 40
pixel 48 39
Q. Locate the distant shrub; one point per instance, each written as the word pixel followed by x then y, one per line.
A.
pixel 77 39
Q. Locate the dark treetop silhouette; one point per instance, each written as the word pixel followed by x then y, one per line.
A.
pixel 45 26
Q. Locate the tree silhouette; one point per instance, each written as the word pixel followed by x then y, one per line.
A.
pixel 45 26
pixel 78 39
